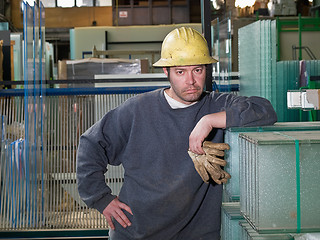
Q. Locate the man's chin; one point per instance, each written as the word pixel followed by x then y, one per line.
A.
pixel 192 99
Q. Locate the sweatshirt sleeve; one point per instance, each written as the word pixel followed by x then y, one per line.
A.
pixel 248 111
pixel 94 153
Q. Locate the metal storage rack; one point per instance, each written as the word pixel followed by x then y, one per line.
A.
pixel 38 196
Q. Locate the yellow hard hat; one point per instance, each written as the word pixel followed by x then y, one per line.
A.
pixel 184 47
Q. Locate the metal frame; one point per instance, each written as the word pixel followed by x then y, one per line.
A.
pixel 296 25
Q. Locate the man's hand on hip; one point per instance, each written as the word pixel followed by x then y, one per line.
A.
pixel 114 209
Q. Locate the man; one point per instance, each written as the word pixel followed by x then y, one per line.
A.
pixel 163 196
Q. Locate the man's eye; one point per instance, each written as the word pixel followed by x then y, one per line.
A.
pixel 179 72
pixel 198 70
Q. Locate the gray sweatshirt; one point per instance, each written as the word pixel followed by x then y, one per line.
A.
pixel 168 198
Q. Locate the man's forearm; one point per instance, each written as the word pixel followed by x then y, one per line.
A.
pixel 217 120
pixel 203 128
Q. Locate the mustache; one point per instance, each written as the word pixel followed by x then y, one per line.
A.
pixel 192 88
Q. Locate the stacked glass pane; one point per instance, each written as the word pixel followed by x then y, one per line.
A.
pixel 3 121
pixel 279 180
pixel 230 229
pixel 291 75
pixel 288 79
pixel 248 233
pixel 261 75
pixel 257 59
pixel 312 70
pixel 312 74
pixel 232 187
pixel 221 42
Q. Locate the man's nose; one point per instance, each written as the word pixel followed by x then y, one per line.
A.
pixel 190 78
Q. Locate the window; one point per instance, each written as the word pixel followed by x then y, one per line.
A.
pixel 65 3
pixel 73 3
pixel 84 3
pixel 49 3
pixel 101 3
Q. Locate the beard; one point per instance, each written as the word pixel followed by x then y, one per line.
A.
pixel 188 95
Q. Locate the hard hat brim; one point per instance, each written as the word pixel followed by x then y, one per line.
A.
pixel 171 63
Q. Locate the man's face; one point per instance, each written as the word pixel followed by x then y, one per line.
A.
pixel 187 83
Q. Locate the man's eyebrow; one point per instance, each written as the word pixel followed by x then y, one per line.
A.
pixel 183 69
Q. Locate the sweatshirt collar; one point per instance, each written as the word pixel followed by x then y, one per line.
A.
pixel 174 104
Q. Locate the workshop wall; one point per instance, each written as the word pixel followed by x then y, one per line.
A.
pixel 67 17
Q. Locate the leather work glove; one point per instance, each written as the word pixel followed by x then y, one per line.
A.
pixel 209 165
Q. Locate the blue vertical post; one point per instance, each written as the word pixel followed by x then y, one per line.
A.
pixel 206 30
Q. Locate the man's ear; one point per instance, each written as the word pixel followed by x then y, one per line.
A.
pixel 165 71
